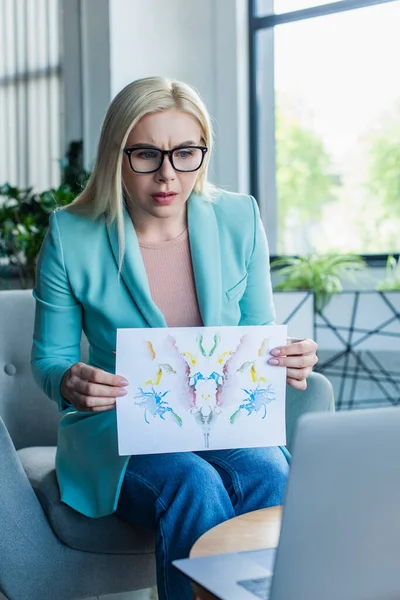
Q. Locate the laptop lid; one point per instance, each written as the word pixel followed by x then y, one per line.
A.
pixel 340 537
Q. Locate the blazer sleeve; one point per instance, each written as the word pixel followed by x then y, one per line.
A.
pixel 58 318
pixel 256 305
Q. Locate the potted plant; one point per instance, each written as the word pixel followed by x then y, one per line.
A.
pixel 24 218
pixel 356 329
pixel 391 282
pixel 24 215
pixel 323 275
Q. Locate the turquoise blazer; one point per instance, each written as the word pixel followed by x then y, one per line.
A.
pixel 78 288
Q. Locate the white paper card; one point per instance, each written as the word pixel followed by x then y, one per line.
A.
pixel 199 388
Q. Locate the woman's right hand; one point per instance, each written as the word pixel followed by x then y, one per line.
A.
pixel 90 389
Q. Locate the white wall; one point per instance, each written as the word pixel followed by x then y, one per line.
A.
pixel 201 42
pixel 96 85
pixel 175 39
pixel 72 75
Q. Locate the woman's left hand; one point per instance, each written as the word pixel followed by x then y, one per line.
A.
pixel 298 357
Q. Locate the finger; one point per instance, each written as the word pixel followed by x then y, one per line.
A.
pixel 296 362
pixel 87 388
pixel 88 403
pixel 95 408
pixel 298 374
pixel 297 385
pixel 98 375
pixel 296 349
pixel 103 408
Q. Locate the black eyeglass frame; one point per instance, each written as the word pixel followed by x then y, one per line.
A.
pixel 164 153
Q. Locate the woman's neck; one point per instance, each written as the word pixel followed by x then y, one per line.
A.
pixel 154 229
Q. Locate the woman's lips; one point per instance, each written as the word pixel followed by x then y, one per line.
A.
pixel 164 198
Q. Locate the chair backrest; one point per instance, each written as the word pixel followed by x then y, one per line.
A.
pixel 30 417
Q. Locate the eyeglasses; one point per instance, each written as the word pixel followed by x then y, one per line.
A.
pixel 149 160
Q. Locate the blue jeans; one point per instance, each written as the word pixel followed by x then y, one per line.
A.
pixel 180 496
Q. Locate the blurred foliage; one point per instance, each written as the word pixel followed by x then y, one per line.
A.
pixel 303 169
pixel 384 165
pixel 73 172
pixel 366 177
pixel 24 214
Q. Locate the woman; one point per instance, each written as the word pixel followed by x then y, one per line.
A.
pixel 149 243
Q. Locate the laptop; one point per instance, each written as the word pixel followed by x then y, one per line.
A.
pixel 340 536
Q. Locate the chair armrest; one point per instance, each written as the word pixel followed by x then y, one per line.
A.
pixel 318 397
pixel 35 564
pixel 16 494
pixel 24 528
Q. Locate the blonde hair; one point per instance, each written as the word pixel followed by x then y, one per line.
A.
pixel 104 193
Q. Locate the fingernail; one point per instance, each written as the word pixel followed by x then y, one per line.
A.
pixel 273 361
pixel 123 382
pixel 122 393
pixel 275 352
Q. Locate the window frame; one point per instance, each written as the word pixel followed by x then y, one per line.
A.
pixel 266 193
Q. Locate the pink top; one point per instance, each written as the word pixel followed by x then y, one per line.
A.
pixel 170 273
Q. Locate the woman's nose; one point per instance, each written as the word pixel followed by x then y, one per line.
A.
pixel 166 171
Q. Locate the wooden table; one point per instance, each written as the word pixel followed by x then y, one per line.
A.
pixel 252 531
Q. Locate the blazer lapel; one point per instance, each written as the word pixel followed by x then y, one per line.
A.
pixel 133 272
pixel 206 257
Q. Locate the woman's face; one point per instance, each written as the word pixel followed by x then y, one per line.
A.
pixel 163 193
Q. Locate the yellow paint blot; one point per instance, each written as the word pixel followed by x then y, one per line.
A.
pixel 263 348
pixel 192 359
pixel 159 375
pixel 221 357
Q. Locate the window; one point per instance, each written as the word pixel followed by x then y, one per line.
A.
pixel 30 93
pixel 264 7
pixel 326 127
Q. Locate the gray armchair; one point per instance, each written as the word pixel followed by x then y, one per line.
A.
pixel 47 550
